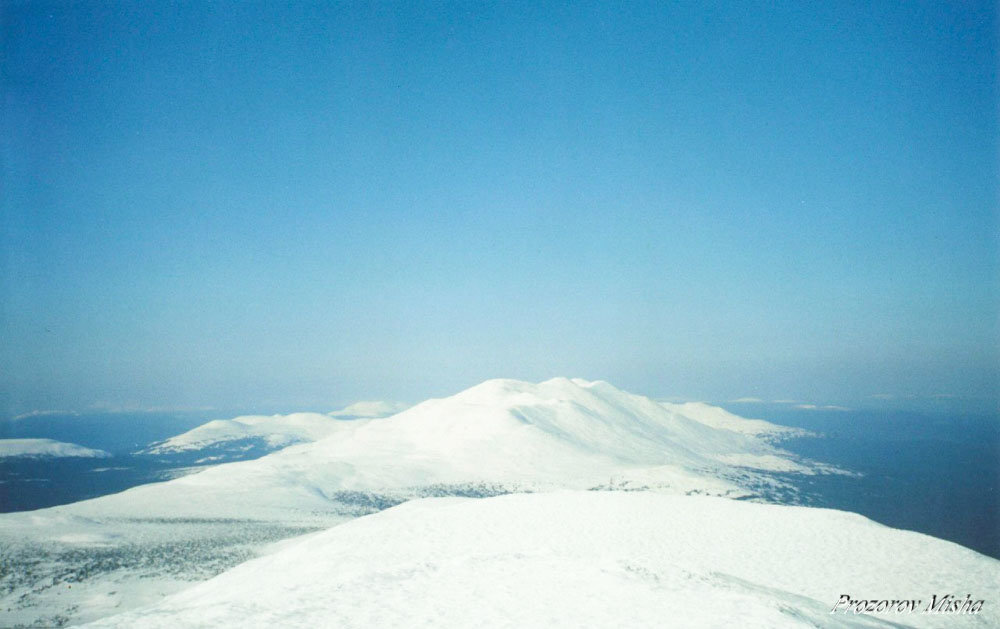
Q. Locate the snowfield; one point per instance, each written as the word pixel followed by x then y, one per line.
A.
pixel 85 561
pixel 587 559
pixel 46 448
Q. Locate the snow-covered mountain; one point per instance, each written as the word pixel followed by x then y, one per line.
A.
pixel 38 448
pixel 503 436
pixel 593 559
pixel 499 436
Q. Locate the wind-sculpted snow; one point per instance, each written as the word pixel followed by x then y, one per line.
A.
pixel 588 559
pixel 37 448
pixel 499 437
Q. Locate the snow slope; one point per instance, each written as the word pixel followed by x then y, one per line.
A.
pixel 722 419
pixel 588 559
pixel 46 448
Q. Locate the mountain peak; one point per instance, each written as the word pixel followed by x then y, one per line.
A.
pixel 502 433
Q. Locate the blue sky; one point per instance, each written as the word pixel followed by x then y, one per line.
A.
pixel 299 205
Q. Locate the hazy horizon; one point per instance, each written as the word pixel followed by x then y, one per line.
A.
pixel 300 205
pixel 747 406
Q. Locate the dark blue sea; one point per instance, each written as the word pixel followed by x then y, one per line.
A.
pixel 35 483
pixel 934 473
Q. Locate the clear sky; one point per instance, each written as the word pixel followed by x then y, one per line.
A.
pixel 305 204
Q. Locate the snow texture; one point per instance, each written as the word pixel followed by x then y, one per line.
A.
pixel 587 559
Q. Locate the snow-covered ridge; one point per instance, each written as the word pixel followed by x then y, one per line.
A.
pixel 588 559
pixel 369 409
pixel 720 418
pixel 46 448
pixel 271 431
pixel 275 431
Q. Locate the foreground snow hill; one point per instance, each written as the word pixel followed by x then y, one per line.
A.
pixel 590 559
pixel 38 448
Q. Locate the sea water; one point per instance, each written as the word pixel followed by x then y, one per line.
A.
pixel 933 473
pixel 33 483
